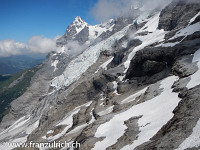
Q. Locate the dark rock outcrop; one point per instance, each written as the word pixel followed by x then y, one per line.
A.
pixel 152 67
pixel 100 84
pixel 150 61
pixel 178 14
pixel 113 73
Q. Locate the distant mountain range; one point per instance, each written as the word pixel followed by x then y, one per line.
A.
pixel 15 64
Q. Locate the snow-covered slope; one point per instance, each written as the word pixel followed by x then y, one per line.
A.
pixel 153 118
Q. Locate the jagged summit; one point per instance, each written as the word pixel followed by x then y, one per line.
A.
pixel 82 32
pixel 79 21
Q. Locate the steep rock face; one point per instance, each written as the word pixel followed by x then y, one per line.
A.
pixel 177 14
pixel 82 32
pixel 75 31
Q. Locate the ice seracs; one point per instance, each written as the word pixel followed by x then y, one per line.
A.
pixel 85 60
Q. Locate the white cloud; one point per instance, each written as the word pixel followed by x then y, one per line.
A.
pixel 10 47
pixel 74 48
pixel 57 37
pixel 106 9
pixel 150 5
pixel 36 44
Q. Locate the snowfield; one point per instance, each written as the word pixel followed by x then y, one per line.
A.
pixel 155 113
pixel 195 78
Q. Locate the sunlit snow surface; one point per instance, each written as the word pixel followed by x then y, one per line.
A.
pixel 80 24
pixel 82 62
pixel 195 78
pixel 188 30
pixel 54 64
pixel 155 113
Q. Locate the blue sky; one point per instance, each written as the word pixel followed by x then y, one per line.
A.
pixel 22 19
pixel 30 26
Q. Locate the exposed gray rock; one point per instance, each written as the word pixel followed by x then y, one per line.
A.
pixel 82 36
pixel 183 67
pixel 152 67
pixel 138 62
pixel 113 73
pixel 71 32
pixel 152 91
pixel 127 86
pixel 147 68
pixel 100 83
pixel 178 14
pixel 106 53
pixel 164 55
pixel 119 23
pixel 110 87
pixel 180 84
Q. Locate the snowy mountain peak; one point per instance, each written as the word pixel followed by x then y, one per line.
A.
pixel 79 21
